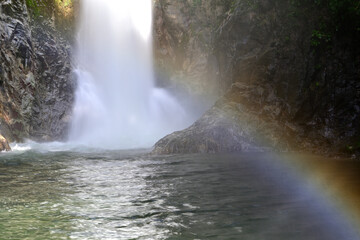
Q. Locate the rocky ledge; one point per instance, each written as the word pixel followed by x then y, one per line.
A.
pixel 246 118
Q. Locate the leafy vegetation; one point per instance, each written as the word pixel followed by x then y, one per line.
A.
pixel 33 5
pixel 339 18
pixel 319 37
pixel 40 7
pixel 59 11
pixel 46 8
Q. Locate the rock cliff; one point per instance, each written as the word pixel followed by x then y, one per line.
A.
pixel 286 73
pixel 36 87
pixel 183 41
pixel 292 68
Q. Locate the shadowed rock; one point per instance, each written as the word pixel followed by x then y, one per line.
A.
pixel 310 87
pixel 237 122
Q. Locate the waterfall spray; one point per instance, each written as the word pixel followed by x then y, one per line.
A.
pixel 117 105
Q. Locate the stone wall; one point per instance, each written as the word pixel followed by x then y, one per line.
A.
pixel 36 86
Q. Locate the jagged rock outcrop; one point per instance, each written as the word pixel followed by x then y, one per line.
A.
pixel 36 87
pixel 246 118
pixel 283 48
pixel 4 144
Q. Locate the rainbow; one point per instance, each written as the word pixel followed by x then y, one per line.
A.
pixel 334 181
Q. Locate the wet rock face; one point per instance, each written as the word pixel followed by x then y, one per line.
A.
pixel 36 89
pixel 246 118
pixel 183 37
pixel 271 45
pixel 312 91
pixel 55 93
pixel 212 133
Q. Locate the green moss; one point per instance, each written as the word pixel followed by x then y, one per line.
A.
pixel 61 11
pixel 287 39
pixel 320 36
pixel 46 8
pixel 33 7
pixel 318 66
pixel 339 18
pixel 63 3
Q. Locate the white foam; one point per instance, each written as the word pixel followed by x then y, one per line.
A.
pixel 18 147
pixel 117 105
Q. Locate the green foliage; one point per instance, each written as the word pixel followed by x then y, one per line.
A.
pixel 318 66
pixel 46 8
pixel 339 7
pixel 337 18
pixel 33 6
pixel 61 11
pixel 354 145
pixel 40 7
pixel 63 3
pixel 318 37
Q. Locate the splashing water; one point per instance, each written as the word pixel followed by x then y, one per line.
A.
pixel 117 104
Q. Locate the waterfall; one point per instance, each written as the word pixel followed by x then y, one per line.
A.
pixel 117 105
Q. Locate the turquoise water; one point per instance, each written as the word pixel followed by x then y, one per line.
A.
pixel 131 195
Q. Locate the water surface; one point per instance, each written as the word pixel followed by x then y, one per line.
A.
pixel 131 195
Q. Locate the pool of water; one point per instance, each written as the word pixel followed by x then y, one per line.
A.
pixel 132 195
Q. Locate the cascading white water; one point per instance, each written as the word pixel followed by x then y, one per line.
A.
pixel 116 103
